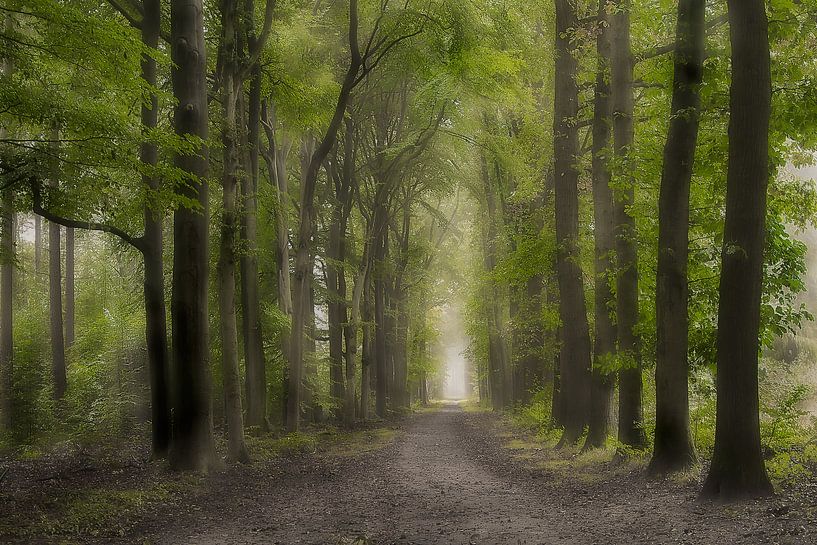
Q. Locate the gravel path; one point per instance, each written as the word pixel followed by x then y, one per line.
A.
pixel 447 480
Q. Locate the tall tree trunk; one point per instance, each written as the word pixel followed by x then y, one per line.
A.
pixel 231 87
pixel 366 362
pixel 604 348
pixel 154 288
pixel 256 374
pixel 55 289
pixel 493 298
pixel 401 325
pixel 381 327
pixel 737 463
pixel 336 304
pixel 7 258
pixel 192 446
pixel 532 363
pixel 8 253
pixel 575 345
pixel 70 260
pixel 38 246
pixel 276 158
pixel 311 381
pixel 629 343
pixel 673 449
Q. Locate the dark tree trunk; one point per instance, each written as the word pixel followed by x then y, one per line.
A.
pixel 631 430
pixel 303 249
pixel 575 345
pixel 256 374
pixel 7 256
pixel 231 89
pixel 8 253
pixel 38 246
pixel 192 446
pixel 336 303
pixel 401 325
pixel 310 382
pixel 366 362
pixel 531 365
pixel 673 449
pixel 381 327
pixel 55 293
pixel 154 286
pixel 493 298
pixel 737 464
pixel 70 261
pixel 603 380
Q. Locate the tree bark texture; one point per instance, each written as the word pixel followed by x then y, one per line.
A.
pixel 673 449
pixel 737 467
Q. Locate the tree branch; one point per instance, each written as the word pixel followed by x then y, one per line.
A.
pixel 669 48
pixel 37 208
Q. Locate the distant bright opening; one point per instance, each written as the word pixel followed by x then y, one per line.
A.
pixel 453 343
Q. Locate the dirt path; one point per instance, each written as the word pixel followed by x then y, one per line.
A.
pixel 447 480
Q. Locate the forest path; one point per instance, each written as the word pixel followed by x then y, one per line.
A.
pixel 447 479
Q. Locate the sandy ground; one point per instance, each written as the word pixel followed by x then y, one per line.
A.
pixel 448 479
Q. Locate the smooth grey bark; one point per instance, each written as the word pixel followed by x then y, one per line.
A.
pixel 575 336
pixel 192 444
pixel 738 469
pixel 673 449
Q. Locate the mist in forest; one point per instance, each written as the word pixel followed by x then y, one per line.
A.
pixel 453 343
pixel 804 343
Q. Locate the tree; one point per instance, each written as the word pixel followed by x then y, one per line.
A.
pixel 7 263
pixel 575 339
pixel 737 467
pixel 631 431
pixel 192 444
pixel 55 287
pixel 604 347
pixel 673 449
pixel 231 87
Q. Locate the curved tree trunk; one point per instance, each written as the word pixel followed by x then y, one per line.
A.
pixel 673 449
pixel 737 463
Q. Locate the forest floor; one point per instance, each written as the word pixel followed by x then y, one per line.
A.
pixel 447 475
